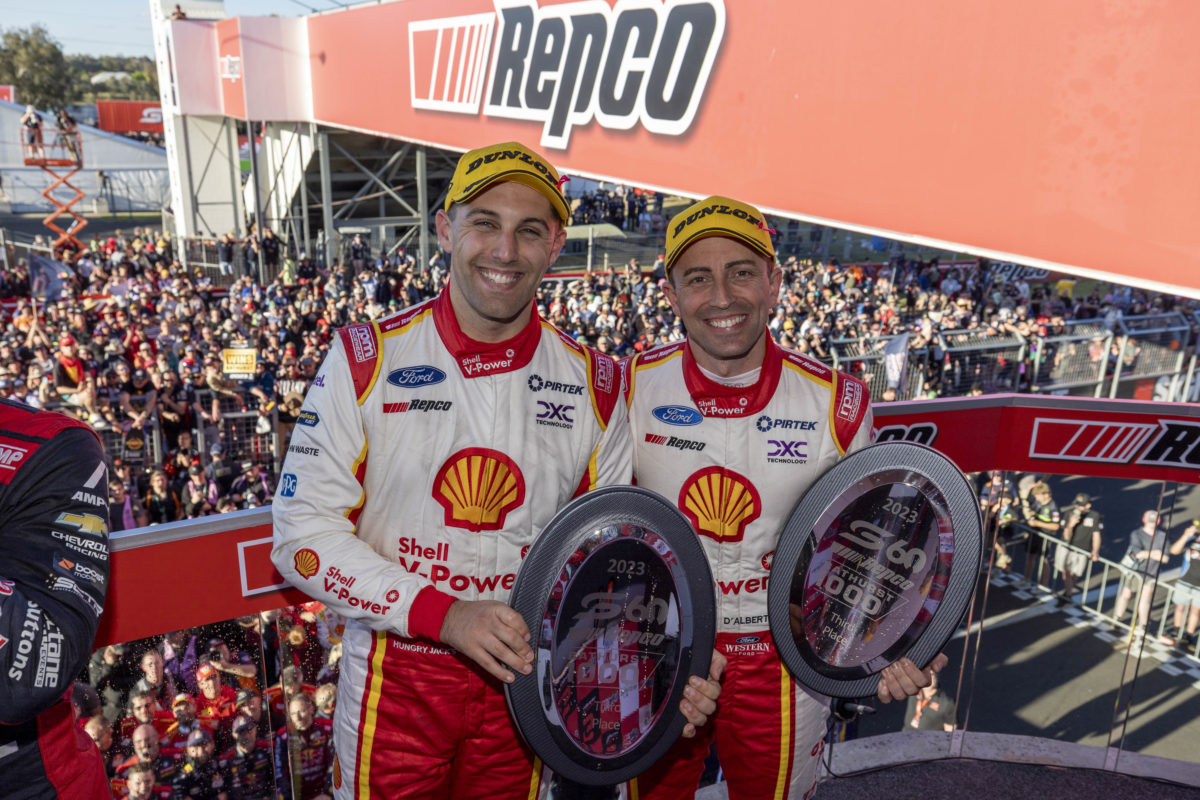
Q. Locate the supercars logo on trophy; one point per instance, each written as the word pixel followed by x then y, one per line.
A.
pixel 878 561
pixel 619 593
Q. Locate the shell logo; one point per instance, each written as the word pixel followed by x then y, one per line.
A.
pixel 307 562
pixel 477 487
pixel 720 503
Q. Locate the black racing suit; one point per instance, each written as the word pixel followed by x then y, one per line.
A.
pixel 53 576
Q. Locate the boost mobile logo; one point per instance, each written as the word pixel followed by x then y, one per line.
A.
pixel 566 65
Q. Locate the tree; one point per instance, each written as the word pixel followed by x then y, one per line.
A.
pixel 33 61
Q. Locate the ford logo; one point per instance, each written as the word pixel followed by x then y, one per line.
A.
pixel 675 415
pixel 746 639
pixel 409 377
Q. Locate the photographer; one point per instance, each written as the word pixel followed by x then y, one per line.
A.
pixel 1146 553
pixel 1187 588
pixel 1082 530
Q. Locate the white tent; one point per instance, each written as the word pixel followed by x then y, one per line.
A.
pixel 136 173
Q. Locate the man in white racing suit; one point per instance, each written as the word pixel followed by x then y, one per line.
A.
pixel 431 449
pixel 735 429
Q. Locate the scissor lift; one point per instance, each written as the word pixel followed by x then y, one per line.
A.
pixel 61 156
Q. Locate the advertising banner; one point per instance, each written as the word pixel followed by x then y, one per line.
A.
pixel 1080 159
pixel 8 93
pixel 125 116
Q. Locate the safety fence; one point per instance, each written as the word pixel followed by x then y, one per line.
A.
pixel 203 255
pixel 1099 590
pixel 1075 356
pixel 867 359
pixel 1148 346
pixel 1080 357
pixel 977 361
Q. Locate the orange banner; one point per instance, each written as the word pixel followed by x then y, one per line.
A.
pixel 1052 134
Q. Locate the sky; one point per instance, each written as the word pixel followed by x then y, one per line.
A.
pixel 122 27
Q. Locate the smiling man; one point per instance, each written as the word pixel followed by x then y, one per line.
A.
pixel 737 429
pixel 432 448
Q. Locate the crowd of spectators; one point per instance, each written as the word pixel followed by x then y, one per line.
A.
pixel 132 341
pixel 632 210
pixel 241 710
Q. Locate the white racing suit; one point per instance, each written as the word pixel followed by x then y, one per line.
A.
pixel 736 461
pixel 421 468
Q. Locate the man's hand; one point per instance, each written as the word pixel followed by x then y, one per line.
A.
pixel 700 697
pixel 902 679
pixel 491 634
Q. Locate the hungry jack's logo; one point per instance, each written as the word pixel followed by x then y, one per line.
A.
pixel 477 487
pixel 720 503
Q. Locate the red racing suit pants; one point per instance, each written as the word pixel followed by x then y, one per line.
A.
pixel 768 730
pixel 417 720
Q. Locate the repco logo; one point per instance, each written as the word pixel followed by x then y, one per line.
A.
pixel 568 65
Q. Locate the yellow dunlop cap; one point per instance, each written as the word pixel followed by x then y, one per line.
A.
pixel 719 216
pixel 511 161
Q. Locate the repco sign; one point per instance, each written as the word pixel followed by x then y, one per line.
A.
pixel 639 62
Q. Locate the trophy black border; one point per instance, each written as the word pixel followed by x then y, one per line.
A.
pixel 797 543
pixel 612 505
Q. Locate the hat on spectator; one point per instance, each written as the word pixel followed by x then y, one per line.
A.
pixel 199 736
pixel 242 723
pixel 244 696
pixel 195 469
pixel 66 340
pixel 205 671
pixel 718 216
pixel 181 698
pixel 217 449
pixel 1082 499
pixel 479 169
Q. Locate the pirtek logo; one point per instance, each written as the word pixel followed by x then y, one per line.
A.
pixel 715 208
pixel 568 65
pixel 10 455
pixel 537 383
pixel 671 441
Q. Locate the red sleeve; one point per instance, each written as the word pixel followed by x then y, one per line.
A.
pixel 428 612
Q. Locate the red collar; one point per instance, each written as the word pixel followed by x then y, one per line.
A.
pixel 717 400
pixel 485 358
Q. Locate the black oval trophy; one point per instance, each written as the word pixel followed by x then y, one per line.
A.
pixel 878 561
pixel 618 595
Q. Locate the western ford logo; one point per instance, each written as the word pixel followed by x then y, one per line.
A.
pixel 677 415
pixel 746 639
pixel 571 64
pixel 409 377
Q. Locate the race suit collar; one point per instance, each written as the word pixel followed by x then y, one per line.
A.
pixel 716 400
pixel 476 358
